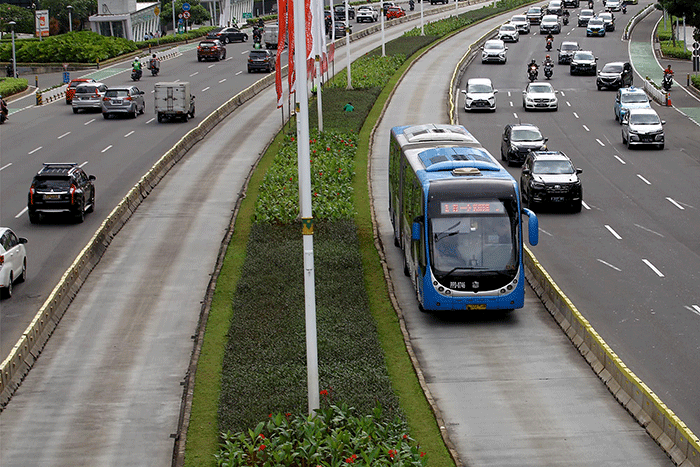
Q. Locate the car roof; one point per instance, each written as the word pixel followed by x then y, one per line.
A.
pixel 550 155
pixel 587 11
pixel 645 110
pixel 552 17
pixel 540 83
pixel 94 83
pixel 632 90
pixel 523 126
pixel 478 81
pixel 495 41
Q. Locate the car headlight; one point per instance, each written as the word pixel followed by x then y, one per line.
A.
pixel 537 185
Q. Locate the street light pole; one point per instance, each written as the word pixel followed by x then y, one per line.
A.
pixel 14 58
pixel 70 18
pixel 174 30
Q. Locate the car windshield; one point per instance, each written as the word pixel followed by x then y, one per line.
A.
pixel 585 13
pixel 518 18
pixel 549 20
pixel 535 9
pixel 526 134
pixel 478 88
pixel 636 98
pixel 117 93
pixel 207 44
pixel 493 46
pixel 606 16
pixel 258 54
pixel 644 119
pixel 584 56
pixel 507 28
pixel 595 22
pixel 540 88
pixel 55 184
pixel 552 167
pixel 569 46
pixel 612 68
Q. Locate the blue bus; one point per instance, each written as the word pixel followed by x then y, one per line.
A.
pixel 456 214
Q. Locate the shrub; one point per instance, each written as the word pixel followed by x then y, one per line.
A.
pixel 10 86
pixel 332 437
pixel 668 50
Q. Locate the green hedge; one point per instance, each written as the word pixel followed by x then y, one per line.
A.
pixel 10 86
pixel 668 50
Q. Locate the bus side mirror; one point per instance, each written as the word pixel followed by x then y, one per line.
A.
pixel 415 231
pixel 533 230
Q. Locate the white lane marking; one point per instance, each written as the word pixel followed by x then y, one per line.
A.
pixel 511 103
pixel 610 229
pixel 515 115
pixel 34 150
pixel 64 134
pixel 620 159
pixel 195 73
pixel 610 265
pixel 576 115
pixel 212 65
pixel 89 122
pixel 545 232
pixel 586 128
pixel 644 179
pixel 508 93
pixel 600 142
pixel 583 203
pixel 21 212
pixel 652 267
pixel 568 103
pixel 672 201
pixel 562 94
pixel 244 52
pixel 239 72
pixel 107 148
pixel 695 309
pixel 221 81
pixel 648 230
pixel 151 120
pixel 205 89
pixel 5 166
pixel 129 134
pixel 83 164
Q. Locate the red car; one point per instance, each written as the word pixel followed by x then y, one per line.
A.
pixel 70 90
pixel 395 12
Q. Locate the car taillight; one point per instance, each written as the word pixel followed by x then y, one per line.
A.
pixel 105 98
pixel 199 47
pixel 31 195
pixel 127 98
pixel 72 193
pixel 2 260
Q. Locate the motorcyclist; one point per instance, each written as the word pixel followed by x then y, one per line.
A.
pixel 550 40
pixel 3 109
pixel 532 65
pixel 411 4
pixel 566 15
pixel 590 4
pixel 136 65
pixel 548 61
pixel 154 63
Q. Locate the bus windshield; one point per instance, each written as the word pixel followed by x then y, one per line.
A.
pixel 464 245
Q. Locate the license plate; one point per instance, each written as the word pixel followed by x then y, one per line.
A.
pixel 478 306
pixel 540 105
pixel 52 196
pixel 557 199
pixel 116 101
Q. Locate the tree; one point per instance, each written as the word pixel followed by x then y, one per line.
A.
pixel 680 8
pixel 21 16
pixel 198 13
pixel 82 9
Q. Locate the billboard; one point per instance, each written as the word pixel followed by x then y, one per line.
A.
pixel 41 22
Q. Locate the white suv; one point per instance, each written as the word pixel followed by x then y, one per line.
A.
pixel 642 126
pixel 479 94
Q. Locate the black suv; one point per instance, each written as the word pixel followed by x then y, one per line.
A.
pixel 518 140
pixel 615 75
pixel 550 177
pixel 261 60
pixel 61 188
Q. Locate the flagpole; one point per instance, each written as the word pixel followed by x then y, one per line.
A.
pixel 347 42
pixel 304 168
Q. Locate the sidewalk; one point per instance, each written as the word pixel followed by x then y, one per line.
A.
pixel 647 61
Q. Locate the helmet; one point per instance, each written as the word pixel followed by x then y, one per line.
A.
pixel 547 56
pixel 154 55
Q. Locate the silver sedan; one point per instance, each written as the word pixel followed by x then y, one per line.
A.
pixel 125 100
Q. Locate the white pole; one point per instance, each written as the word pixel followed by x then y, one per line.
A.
pixel 381 11
pixel 304 168
pixel 14 58
pixel 332 23
pixel 174 29
pixel 422 31
pixel 347 42
pixel 321 24
pixel 456 5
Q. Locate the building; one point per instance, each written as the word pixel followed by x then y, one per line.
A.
pixel 125 18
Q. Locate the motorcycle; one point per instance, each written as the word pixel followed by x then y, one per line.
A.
pixel 154 66
pixel 136 74
pixel 590 4
pixel 532 73
pixel 4 112
pixel 257 35
pixel 667 82
pixel 565 20
pixel 548 70
pixel 549 45
pixel 624 9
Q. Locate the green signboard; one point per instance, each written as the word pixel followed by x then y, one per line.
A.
pixel 247 15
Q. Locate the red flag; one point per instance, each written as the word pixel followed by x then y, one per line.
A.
pixel 291 75
pixel 281 33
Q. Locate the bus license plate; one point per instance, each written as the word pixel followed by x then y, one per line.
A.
pixel 476 307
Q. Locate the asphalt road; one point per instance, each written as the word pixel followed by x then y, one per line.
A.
pixel 106 390
pixel 630 260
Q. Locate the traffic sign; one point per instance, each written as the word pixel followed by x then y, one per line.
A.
pixel 186 15
pixel 180 16
pixel 156 11
pixel 247 15
pixel 185 7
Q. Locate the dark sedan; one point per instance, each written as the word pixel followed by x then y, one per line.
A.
pixel 226 35
pixel 211 50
